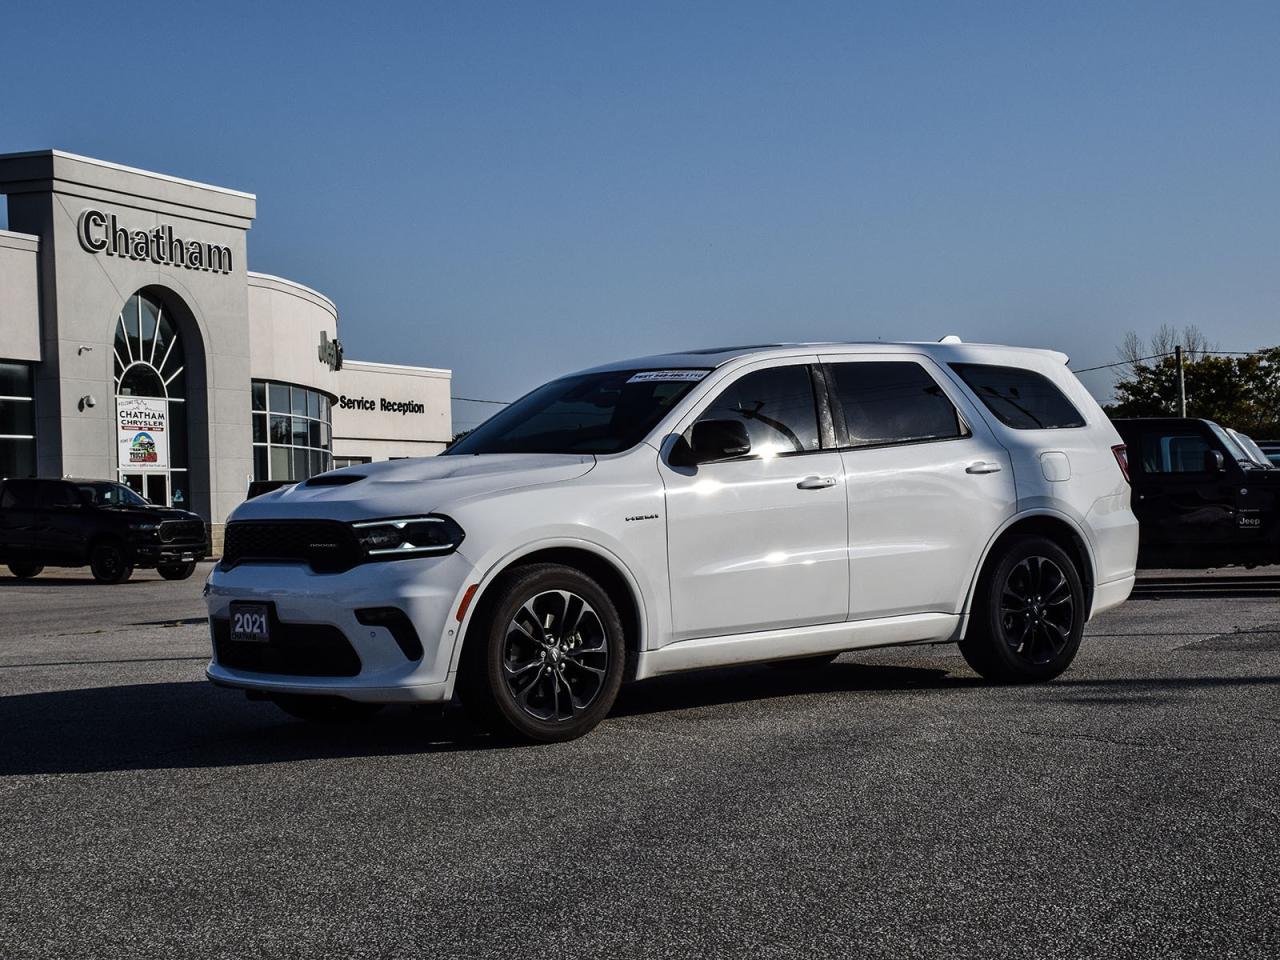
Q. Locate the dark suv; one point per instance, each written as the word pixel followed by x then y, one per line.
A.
pixel 1200 499
pixel 101 523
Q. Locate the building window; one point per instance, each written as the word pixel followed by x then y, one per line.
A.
pixel 340 462
pixel 150 362
pixel 17 420
pixel 292 432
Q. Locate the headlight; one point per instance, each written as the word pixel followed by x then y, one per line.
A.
pixel 408 537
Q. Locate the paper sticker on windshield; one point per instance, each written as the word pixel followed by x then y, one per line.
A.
pixel 681 376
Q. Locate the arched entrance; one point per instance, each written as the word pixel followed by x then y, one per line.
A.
pixel 151 402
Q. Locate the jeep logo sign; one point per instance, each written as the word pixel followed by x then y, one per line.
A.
pixel 330 351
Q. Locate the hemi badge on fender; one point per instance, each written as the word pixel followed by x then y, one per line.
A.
pixel 642 516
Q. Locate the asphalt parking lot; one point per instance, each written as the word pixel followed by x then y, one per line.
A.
pixel 888 805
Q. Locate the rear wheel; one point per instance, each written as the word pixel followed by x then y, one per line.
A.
pixel 321 709
pixel 176 571
pixel 544 659
pixel 109 563
pixel 25 571
pixel 1028 616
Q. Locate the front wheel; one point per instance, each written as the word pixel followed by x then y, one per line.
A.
pixel 544 659
pixel 176 571
pixel 25 571
pixel 1028 615
pixel 110 564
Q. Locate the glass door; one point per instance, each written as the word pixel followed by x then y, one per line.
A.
pixel 156 488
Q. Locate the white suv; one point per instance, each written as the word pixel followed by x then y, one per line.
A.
pixel 684 511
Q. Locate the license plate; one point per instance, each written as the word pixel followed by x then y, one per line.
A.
pixel 250 623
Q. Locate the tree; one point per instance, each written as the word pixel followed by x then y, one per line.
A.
pixel 1235 391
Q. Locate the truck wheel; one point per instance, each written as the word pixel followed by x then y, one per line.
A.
pixel 544 659
pixel 25 571
pixel 1028 614
pixel 321 709
pixel 109 563
pixel 177 571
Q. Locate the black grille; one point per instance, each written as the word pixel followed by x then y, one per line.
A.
pixel 328 546
pixel 182 531
pixel 295 650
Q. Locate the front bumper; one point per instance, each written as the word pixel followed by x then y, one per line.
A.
pixel 155 554
pixel 426 589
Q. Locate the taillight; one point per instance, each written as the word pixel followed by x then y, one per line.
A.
pixel 1122 458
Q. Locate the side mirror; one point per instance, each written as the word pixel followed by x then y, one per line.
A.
pixel 1214 462
pixel 719 440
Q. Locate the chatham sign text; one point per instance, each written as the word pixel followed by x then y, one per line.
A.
pixel 100 233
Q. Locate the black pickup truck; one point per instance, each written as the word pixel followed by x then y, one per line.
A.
pixel 1201 500
pixel 99 523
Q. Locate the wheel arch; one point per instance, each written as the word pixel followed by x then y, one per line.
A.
pixel 1055 527
pixel 602 565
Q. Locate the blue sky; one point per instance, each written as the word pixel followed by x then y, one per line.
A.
pixel 517 190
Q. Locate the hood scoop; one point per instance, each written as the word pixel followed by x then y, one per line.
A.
pixel 334 479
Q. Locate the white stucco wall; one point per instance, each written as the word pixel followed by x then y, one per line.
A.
pixel 382 433
pixel 19 296
pixel 286 320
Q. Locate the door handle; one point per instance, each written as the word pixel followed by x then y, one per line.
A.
pixel 983 466
pixel 816 483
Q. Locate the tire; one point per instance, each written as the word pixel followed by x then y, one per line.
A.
pixel 1028 614
pixel 329 710
pixel 555 624
pixel 177 571
pixel 109 563
pixel 25 571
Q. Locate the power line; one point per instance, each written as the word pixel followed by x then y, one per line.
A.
pixel 1157 356
pixel 501 403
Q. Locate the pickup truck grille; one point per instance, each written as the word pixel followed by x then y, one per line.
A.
pixel 182 531
pixel 327 546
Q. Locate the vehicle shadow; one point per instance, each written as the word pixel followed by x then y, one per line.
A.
pixel 1191 587
pixel 192 724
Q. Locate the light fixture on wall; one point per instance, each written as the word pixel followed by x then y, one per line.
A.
pixel 87 401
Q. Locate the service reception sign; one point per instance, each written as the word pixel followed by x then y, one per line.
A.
pixel 142 433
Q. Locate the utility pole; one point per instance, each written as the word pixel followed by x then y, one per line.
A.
pixel 1182 382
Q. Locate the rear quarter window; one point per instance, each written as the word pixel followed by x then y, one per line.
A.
pixel 1022 399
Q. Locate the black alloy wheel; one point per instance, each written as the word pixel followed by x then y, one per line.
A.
pixel 109 563
pixel 544 655
pixel 1037 610
pixel 555 656
pixel 177 571
pixel 1028 613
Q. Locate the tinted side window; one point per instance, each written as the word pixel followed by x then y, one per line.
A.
pixel 1174 453
pixel 55 493
pixel 1022 399
pixel 19 494
pixel 892 401
pixel 776 405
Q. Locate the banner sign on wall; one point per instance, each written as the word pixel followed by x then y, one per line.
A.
pixel 142 433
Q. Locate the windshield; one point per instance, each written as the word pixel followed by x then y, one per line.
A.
pixel 106 494
pixel 1252 449
pixel 1229 442
pixel 589 413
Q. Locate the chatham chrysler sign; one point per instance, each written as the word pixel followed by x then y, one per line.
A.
pixel 100 233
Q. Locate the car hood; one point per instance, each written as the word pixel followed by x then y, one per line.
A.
pixel 149 514
pixel 410 487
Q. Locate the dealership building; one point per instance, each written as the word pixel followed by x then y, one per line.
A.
pixel 136 344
